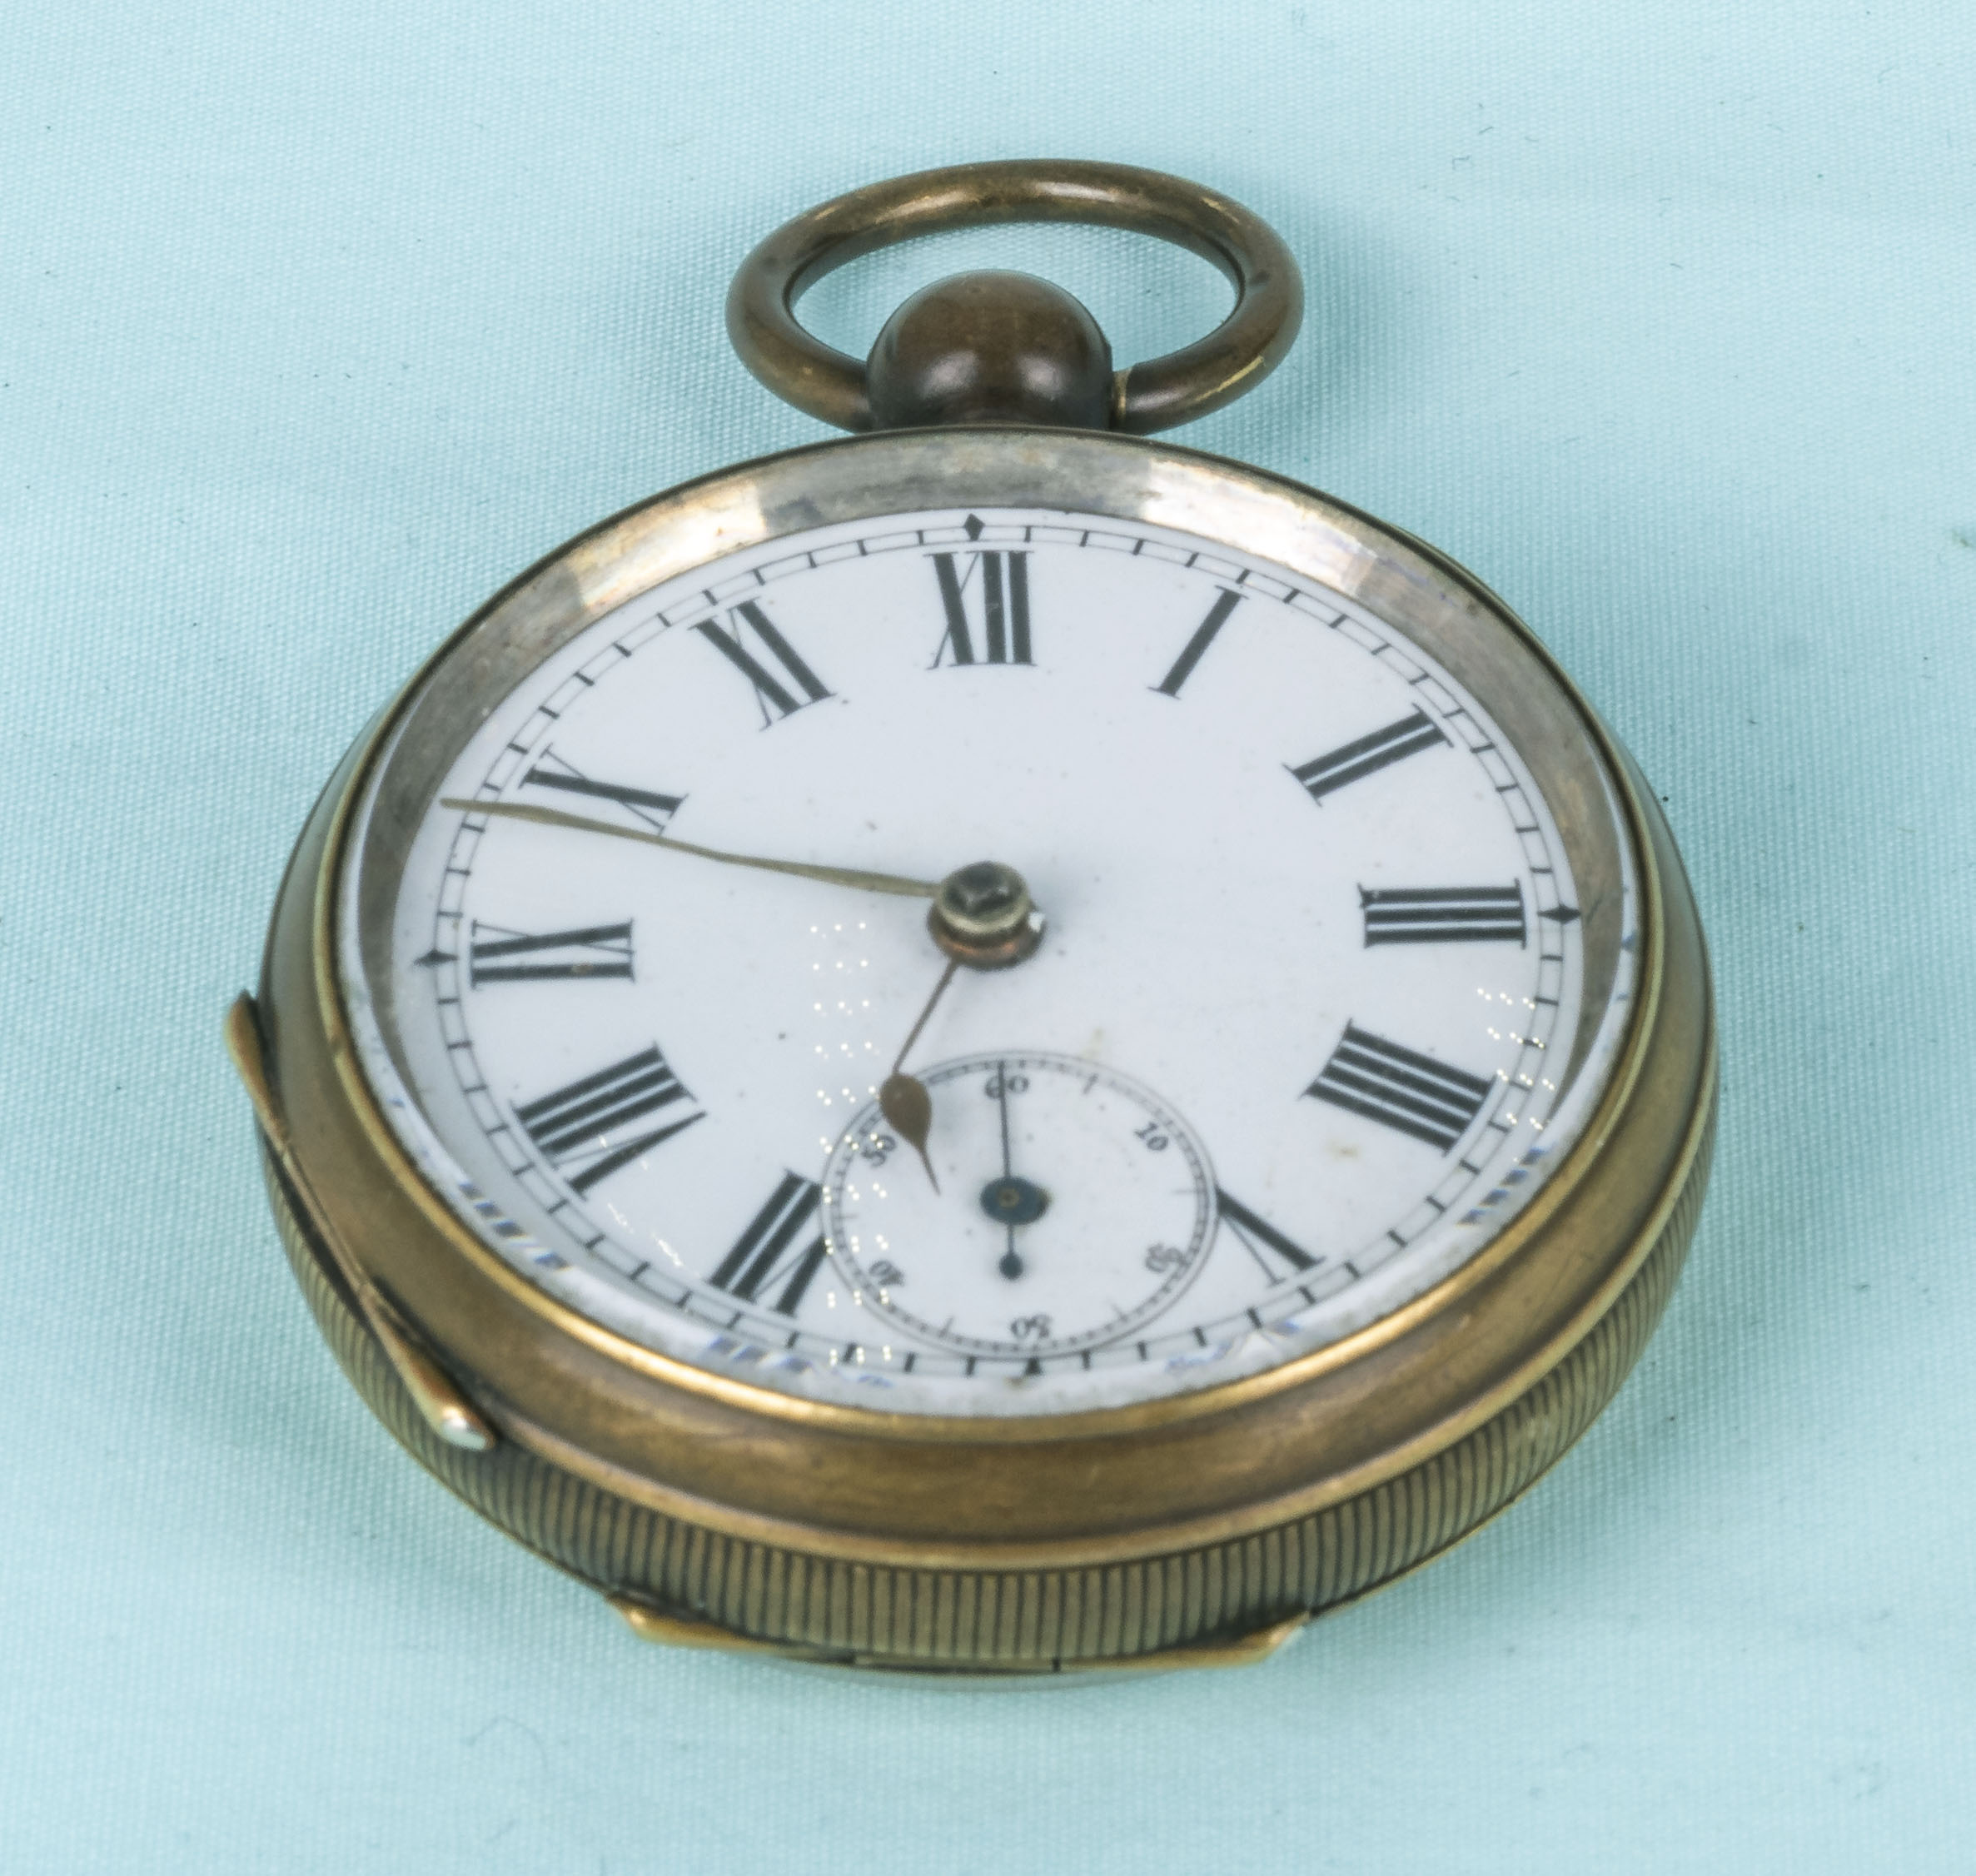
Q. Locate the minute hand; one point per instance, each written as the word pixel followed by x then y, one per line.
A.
pixel 830 875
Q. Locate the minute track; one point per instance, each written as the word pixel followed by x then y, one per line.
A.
pixel 801 1275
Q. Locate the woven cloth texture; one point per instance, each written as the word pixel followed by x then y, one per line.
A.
pixel 316 324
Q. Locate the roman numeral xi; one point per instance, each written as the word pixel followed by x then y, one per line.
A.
pixel 580 1128
pixel 776 669
pixel 1400 1089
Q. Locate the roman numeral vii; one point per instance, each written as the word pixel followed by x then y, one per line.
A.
pixel 768 1252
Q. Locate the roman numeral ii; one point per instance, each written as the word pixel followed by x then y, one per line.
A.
pixel 1353 761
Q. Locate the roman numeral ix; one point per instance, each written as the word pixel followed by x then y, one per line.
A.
pixel 505 957
pixel 774 690
pixel 1400 1089
pixel 1004 594
pixel 1354 761
pixel 1443 915
pixel 762 1257
pixel 573 1125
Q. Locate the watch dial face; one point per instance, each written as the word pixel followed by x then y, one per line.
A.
pixel 1308 1023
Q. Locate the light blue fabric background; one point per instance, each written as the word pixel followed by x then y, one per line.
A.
pixel 318 323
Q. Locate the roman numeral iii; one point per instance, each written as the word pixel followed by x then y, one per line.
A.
pixel 1000 585
pixel 1400 1089
pixel 498 956
pixel 1444 914
pixel 767 1254
pixel 777 674
pixel 574 1126
pixel 1324 774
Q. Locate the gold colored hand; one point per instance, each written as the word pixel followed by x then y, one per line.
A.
pixel 903 1099
pixel 830 875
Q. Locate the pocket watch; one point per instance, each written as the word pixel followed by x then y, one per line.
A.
pixel 990 1047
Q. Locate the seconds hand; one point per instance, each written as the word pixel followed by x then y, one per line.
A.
pixel 1012 1259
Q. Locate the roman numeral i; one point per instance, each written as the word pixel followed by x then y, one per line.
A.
pixel 1004 608
pixel 574 1126
pixel 1400 1089
pixel 763 1256
pixel 1225 602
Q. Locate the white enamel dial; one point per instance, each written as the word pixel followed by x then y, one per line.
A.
pixel 1310 921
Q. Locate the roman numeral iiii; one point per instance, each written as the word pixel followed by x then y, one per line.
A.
pixel 574 1126
pixel 1400 1089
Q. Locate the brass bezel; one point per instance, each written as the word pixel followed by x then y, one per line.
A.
pixel 1080 1490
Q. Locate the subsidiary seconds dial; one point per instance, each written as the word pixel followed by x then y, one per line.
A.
pixel 1072 1208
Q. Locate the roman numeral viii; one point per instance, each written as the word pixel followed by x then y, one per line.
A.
pixel 1443 915
pixel 1353 761
pixel 1400 1089
pixel 498 956
pixel 1003 593
pixel 775 690
pixel 768 1252
pixel 575 1126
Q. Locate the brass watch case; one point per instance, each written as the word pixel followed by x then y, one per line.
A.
pixel 1198 1527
